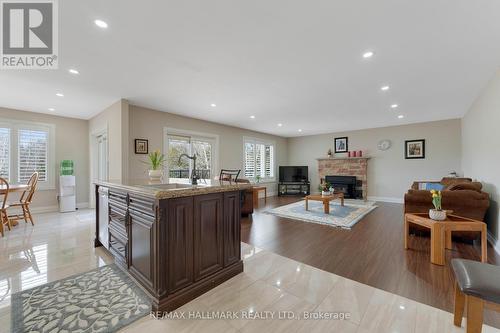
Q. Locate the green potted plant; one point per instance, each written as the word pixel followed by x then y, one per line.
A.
pixel 437 214
pixel 257 179
pixel 325 189
pixel 156 160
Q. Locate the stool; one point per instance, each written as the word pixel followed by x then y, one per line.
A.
pixel 477 287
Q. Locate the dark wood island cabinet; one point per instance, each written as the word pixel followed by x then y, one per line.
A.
pixel 177 241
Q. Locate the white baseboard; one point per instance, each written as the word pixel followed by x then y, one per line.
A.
pixel 51 209
pixel 386 199
pixel 494 242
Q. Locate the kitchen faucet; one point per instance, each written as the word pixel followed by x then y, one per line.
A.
pixel 194 178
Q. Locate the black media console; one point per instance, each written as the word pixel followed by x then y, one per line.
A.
pixel 291 188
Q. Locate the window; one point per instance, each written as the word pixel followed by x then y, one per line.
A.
pixel 258 159
pixel 24 149
pixel 32 154
pixel 5 153
pixel 185 142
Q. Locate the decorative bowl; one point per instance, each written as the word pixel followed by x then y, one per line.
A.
pixel 437 215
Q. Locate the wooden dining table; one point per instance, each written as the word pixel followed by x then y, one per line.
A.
pixel 12 189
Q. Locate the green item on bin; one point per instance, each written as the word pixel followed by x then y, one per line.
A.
pixel 67 168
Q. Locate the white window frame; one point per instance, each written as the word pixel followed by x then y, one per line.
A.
pixel 252 140
pixel 15 126
pixel 168 131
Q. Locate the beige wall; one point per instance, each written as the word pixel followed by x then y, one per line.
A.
pixel 71 143
pixel 114 121
pixel 149 124
pixel 389 174
pixel 481 147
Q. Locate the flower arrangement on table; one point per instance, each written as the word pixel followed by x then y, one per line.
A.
pixel 325 188
pixel 437 213
pixel 156 161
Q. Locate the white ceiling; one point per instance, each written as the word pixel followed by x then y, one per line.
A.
pixel 294 62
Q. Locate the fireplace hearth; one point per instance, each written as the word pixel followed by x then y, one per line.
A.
pixel 344 184
pixel 354 167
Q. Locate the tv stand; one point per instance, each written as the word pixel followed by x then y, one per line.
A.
pixel 294 188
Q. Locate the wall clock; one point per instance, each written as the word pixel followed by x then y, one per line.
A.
pixel 384 145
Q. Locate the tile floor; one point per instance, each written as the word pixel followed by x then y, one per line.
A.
pixel 61 245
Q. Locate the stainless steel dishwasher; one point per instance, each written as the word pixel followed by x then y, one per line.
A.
pixel 103 216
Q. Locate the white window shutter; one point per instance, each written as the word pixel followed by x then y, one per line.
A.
pixel 5 153
pixel 32 154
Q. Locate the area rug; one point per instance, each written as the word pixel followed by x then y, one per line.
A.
pixel 102 300
pixel 340 216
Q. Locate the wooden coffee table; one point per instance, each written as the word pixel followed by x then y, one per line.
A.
pixel 441 233
pixel 325 199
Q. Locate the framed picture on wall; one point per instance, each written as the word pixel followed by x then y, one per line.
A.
pixel 414 149
pixel 141 146
pixel 341 145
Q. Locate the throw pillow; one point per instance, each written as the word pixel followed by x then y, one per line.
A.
pixel 434 186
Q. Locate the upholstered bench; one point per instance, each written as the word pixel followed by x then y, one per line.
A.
pixel 478 286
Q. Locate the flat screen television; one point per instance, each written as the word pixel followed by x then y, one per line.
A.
pixel 297 174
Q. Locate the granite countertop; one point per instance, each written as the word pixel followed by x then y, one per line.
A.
pixel 163 190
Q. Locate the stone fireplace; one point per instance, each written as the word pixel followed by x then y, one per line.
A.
pixel 346 166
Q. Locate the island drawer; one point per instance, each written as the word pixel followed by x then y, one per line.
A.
pixel 142 205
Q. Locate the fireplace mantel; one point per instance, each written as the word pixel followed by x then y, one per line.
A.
pixel 345 166
pixel 342 158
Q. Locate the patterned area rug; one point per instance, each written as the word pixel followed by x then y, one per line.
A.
pixel 102 300
pixel 340 216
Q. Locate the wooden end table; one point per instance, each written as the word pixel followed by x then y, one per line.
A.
pixel 256 190
pixel 441 233
pixel 325 199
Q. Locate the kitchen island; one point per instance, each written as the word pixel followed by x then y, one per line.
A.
pixel 177 241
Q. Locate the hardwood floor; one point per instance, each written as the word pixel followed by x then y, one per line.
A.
pixel 371 252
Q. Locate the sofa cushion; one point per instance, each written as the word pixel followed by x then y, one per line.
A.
pixel 473 186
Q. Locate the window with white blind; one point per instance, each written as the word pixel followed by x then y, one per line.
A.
pixel 26 148
pixel 4 152
pixel 258 159
pixel 32 154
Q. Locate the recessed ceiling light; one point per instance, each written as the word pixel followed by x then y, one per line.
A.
pixel 393 106
pixel 52 109
pixel 300 130
pixel 213 105
pixel 59 95
pixel 101 24
pixel 384 88
pixel 280 124
pixel 368 54
pixel 401 116
pixel 252 117
pixel 73 71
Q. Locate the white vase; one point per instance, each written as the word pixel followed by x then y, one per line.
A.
pixel 155 174
pixel 326 193
pixel 437 215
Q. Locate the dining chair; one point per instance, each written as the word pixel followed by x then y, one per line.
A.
pixel 229 175
pixel 4 219
pixel 25 200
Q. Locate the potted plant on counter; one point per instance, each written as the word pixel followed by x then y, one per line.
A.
pixel 325 189
pixel 156 160
pixel 437 214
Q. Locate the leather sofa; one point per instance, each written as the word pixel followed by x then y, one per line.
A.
pixel 461 195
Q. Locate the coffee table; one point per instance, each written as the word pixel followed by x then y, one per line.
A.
pixel 325 199
pixel 441 233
